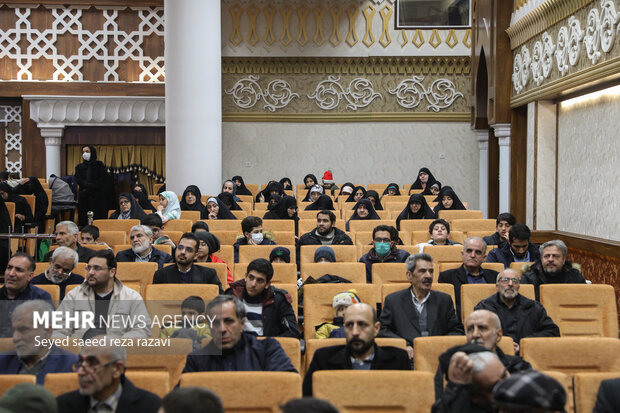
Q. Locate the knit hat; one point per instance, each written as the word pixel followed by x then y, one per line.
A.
pixel 280 252
pixel 346 298
pixel 211 240
pixel 328 178
pixel 28 398
pixel 325 252
pixel 316 188
pixel 530 389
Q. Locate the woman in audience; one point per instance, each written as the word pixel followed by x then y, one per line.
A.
pixel 168 207
pixel 273 188
pixel 425 178
pixel 391 190
pixel 358 193
pixel 230 187
pixel 324 202
pixel 139 192
pixel 315 192
pixel 285 208
pixel 91 176
pixel 128 208
pixel 241 188
pixel 416 208
pixel 217 210
pixel 286 184
pixel 23 212
pixel 346 190
pixel 32 186
pixel 373 196
pixel 190 201
pixel 449 200
pixel 209 244
pixel 228 200
pixel 364 211
pixel 310 180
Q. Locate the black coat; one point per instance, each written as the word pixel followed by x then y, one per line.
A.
pixel 535 275
pixel 157 256
pixel 132 400
pixel 34 187
pixel 340 238
pixel 200 275
pixel 399 317
pixel 338 358
pixel 532 319
pixel 92 179
pixel 494 239
pixel 608 397
pixel 504 255
pixel 458 277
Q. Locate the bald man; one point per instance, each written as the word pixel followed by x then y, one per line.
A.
pixel 361 326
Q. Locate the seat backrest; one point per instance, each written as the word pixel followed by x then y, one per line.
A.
pixel 389 272
pixel 344 253
pixel 581 310
pixel 352 271
pixel 284 237
pixel 279 225
pixel 586 387
pixel 263 391
pixel 369 224
pixel 389 288
pixel 450 215
pixel 248 253
pixel 246 199
pixel 253 188
pixel 441 253
pixel 495 266
pixel 518 266
pixel 318 300
pixel 241 214
pixel 394 391
pixel 466 225
pixel 411 225
pixel 190 215
pixel 172 364
pixel 9 380
pixel 227 237
pixel 157 382
pixel 480 234
pixel 53 290
pixel 223 224
pixel 60 383
pixel 136 272
pixel 115 224
pixel 282 272
pixel 183 225
pixel 292 348
pixel 472 294
pixel 220 268
pixel 113 237
pixel 227 253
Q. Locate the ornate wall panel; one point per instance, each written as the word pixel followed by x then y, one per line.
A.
pixel 11 134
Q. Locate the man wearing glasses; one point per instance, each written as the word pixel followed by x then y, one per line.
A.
pixel 60 271
pixel 104 296
pixel 103 386
pixel 520 317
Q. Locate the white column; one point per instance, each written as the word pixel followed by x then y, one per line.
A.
pixel 502 132
pixel 482 136
pixel 193 95
pixel 52 138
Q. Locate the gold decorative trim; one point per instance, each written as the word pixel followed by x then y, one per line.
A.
pixel 335 12
pixel 608 69
pixel 352 12
pixel 541 18
pixel 346 117
pixel 369 14
pixel 437 65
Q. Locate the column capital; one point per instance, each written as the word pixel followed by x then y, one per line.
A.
pixel 502 131
pixel 482 136
pixel 52 141
pixel 52 134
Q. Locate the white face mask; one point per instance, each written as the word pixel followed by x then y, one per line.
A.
pixel 257 238
pixel 86 156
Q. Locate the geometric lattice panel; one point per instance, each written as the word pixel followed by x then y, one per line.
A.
pixel 11 129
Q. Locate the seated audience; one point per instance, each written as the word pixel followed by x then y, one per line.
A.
pixel 128 208
pixel 324 202
pixel 504 222
pixel 359 192
pixel 325 232
pixel 439 230
pixel 229 187
pixel 324 254
pixel 89 235
pixel 517 249
pixel 285 208
pixel 228 200
pixel 608 397
pixel 252 228
pixel 345 191
pixel 241 188
pixel 280 255
pixel 67 236
pixel 448 201
pixel 60 272
pixel 28 398
pixel 194 325
pixel 140 193
pixel 417 208
pixel 375 200
pixel 384 239
pixel 309 181
pixel 23 212
pixel 142 250
pixel 208 245
pixel 272 189
pixel 315 192
pixel 308 405
pixel 424 179
pixel 391 190
pixel 169 207
pixel 217 210
pixel 363 211
pixel 191 201
pixel 191 400
pixel 341 302
pixel 154 222
pixel 200 226
pixel 530 391
pixel 434 189
pixel 328 183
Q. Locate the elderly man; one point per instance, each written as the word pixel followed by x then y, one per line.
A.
pixel 60 272
pixel 67 236
pixel 552 268
pixel 232 349
pixel 103 386
pixel 142 250
pixel 104 296
pixel 417 311
pixel 520 317
pixel 471 272
pixel 530 392
pixel 360 352
pixel 30 355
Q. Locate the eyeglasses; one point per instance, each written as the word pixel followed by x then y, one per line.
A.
pixel 96 268
pixel 506 280
pixel 91 364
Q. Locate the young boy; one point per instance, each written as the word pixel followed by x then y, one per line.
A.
pixel 192 326
pixel 340 303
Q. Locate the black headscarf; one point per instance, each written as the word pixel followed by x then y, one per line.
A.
pixel 21 207
pixel 273 186
pixel 142 197
pixel 372 214
pixel 316 181
pixel 228 200
pixel 211 240
pixel 323 203
pixel 375 195
pixel 425 211
pixel 456 204
pixel 427 190
pixel 391 185
pixel 196 206
pixel 357 188
pixel 417 184
pixel 241 189
pixel 441 192
pixel 222 213
pixel 287 183
pixel 34 187
pixel 136 211
pixel 280 210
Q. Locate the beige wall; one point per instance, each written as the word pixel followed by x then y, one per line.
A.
pixel 358 152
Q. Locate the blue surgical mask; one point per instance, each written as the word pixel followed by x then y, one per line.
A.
pixel 383 248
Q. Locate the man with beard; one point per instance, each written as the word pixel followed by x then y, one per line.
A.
pixel 325 232
pixel 417 311
pixel 361 352
pixel 552 268
pixel 142 250
pixel 520 317
pixel 60 271
pixel 517 249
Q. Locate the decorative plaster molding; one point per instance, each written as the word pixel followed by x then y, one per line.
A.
pixel 52 141
pixel 502 132
pixel 13 141
pixel 347 117
pixel 247 92
pixel 440 95
pixel 330 92
pixel 482 136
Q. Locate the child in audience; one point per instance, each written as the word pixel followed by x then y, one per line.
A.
pixel 90 236
pixel 340 303
pixel 194 324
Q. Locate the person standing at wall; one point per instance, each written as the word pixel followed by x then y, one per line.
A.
pixel 91 176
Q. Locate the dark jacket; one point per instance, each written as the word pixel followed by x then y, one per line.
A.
pixel 243 241
pixel 456 398
pixel 7 305
pixel 504 254
pixel 608 397
pixel 132 400
pixel 249 354
pixel 338 358
pixel 83 254
pixel 92 178
pixel 570 274
pixel 399 317
pixel 71 279
pixel 371 257
pixel 157 256
pixel 494 239
pixel 458 277
pixel 340 238
pixel 57 361
pixel 199 274
pixel 530 317
pixel 278 316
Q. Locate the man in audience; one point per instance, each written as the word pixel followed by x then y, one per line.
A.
pixel 28 398
pixel 439 231
pixel 384 239
pixel 552 268
pixel 191 400
pixel 325 232
pixel 530 392
pixel 504 222
pixel 517 249
pixel 608 397
pixel 154 222
pixel 30 355
pixel 103 386
pixel 520 317
pixel 60 272
pixel 418 311
pixel 142 250
pixel 360 352
pixel 471 272
pixel 67 236
pixel 105 296
pixel 252 228
pixel 232 349
pixel 185 271
pixel 268 309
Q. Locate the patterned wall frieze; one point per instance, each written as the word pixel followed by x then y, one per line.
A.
pixel 557 58
pixel 11 122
